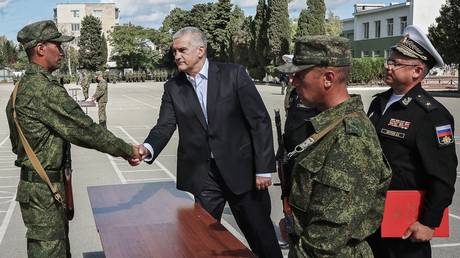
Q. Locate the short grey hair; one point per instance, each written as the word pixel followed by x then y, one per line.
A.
pixel 198 37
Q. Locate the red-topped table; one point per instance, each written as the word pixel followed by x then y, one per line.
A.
pixel 156 220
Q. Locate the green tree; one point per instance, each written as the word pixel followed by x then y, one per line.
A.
pixel 176 20
pixel 90 44
pixel 219 37
pixel 238 35
pixel 259 48
pixel 311 21
pixel 333 24
pixel 242 44
pixel 278 29
pixel 104 48
pixel 445 35
pixel 133 47
pixel 8 52
pixel 71 57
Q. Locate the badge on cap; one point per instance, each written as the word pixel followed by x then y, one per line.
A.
pixel 444 135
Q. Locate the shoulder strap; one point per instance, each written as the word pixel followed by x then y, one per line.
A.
pixel 31 154
pixel 317 136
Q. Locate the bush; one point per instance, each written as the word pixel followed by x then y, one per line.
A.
pixel 367 69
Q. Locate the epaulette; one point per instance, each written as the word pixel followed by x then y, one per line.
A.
pixel 426 103
pixel 353 125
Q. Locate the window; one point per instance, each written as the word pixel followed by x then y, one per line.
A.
pixel 75 13
pixel 377 29
pixel 75 26
pixel 365 53
pixel 390 27
pixel 403 21
pixel 376 53
pixel 366 30
pixel 97 13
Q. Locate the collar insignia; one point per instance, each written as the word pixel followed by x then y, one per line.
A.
pixel 406 101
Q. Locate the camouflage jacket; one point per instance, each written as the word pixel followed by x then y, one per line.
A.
pixel 49 116
pixel 101 92
pixel 338 186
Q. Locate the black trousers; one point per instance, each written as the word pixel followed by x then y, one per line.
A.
pixel 397 247
pixel 251 211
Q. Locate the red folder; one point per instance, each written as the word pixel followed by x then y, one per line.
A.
pixel 402 209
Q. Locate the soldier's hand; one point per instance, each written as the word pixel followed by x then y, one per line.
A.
pixel 136 159
pixel 418 232
pixel 263 182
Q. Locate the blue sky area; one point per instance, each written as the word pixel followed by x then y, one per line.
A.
pixel 14 14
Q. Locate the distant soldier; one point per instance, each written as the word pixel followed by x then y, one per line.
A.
pixel 339 181
pixel 48 118
pixel 85 82
pixel 101 96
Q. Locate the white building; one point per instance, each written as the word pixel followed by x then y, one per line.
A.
pixel 68 18
pixel 374 28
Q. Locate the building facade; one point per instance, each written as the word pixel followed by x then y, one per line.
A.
pixel 375 28
pixel 68 18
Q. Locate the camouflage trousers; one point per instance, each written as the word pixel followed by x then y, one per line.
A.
pixel 101 106
pixel 360 250
pixel 45 220
pixel 85 89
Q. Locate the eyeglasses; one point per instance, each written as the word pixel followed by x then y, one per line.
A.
pixel 393 63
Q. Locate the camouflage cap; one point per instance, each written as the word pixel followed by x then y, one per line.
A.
pixel 318 50
pixel 41 31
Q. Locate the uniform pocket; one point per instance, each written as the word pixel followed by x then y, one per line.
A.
pixel 23 193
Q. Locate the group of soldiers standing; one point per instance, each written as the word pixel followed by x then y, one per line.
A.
pixel 340 160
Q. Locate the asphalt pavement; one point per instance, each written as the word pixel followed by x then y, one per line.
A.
pixel 131 111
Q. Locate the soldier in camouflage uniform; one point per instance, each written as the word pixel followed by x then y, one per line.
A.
pixel 339 183
pixel 101 96
pixel 49 118
pixel 85 82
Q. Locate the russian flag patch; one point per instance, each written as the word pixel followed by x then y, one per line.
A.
pixel 444 135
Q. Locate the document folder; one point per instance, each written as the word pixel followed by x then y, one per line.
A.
pixel 402 209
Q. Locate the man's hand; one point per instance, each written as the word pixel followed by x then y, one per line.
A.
pixel 418 232
pixel 136 158
pixel 263 183
pixel 139 154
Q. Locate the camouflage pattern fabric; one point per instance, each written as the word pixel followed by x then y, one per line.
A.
pixel 319 50
pixel 85 85
pixel 338 187
pixel 49 117
pixel 45 220
pixel 101 96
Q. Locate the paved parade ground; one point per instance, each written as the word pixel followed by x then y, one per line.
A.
pixel 132 110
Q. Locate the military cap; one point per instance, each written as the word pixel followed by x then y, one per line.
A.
pixel 41 31
pixel 415 44
pixel 98 73
pixel 319 50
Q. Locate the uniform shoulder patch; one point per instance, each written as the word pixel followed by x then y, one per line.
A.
pixel 444 135
pixel 426 103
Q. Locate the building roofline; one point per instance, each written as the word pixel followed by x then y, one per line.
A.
pixel 347 19
pixel 386 8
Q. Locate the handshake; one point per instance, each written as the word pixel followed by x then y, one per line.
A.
pixel 139 154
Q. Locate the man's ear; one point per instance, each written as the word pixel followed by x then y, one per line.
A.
pixel 201 52
pixel 40 49
pixel 329 78
pixel 418 72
